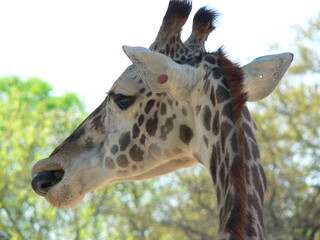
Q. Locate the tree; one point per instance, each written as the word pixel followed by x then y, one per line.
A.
pixel 32 121
pixel 289 142
pixel 307 40
pixel 289 139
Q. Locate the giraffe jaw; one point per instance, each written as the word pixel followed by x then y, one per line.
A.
pixel 65 187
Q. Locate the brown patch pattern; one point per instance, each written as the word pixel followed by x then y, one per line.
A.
pixel 124 140
pixel 122 161
pixel 216 123
pixel 136 153
pixel 149 106
pixel 152 125
pixel 98 124
pixel 207 118
pixel 212 97
pixel 143 139
pixel 166 128
pixel 213 164
pixel 140 119
pixel 222 94
pixel 135 131
pixel 163 109
pixel 186 134
pixel 109 164
pixel 216 73
pixel 114 149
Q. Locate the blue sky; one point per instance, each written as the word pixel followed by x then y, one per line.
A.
pixel 75 45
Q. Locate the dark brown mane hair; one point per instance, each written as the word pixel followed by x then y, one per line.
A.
pixel 234 79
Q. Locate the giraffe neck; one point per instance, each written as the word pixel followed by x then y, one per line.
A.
pixel 230 153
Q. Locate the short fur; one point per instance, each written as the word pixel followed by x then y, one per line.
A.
pixel 234 78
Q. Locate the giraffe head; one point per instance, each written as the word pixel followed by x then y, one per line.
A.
pixel 146 125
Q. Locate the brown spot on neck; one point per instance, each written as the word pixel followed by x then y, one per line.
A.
pixel 140 119
pixel 207 118
pixel 186 134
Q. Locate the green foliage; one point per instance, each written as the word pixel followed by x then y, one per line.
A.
pixel 32 121
pixel 307 40
pixel 289 142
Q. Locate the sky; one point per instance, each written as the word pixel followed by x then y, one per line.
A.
pixel 75 45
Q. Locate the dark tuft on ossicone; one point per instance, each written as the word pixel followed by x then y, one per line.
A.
pixel 178 9
pixel 204 16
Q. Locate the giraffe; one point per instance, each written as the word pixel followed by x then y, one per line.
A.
pixel 176 106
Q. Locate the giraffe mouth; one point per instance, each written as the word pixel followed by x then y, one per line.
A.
pixel 42 182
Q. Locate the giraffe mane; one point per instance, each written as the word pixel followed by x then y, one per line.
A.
pixel 234 78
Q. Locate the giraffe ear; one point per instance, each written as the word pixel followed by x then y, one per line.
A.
pixel 161 74
pixel 263 74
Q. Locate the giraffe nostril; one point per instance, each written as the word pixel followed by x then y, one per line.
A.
pixel 43 181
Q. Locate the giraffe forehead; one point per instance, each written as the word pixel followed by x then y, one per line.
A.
pixel 129 82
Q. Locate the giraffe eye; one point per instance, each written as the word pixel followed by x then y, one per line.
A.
pixel 123 101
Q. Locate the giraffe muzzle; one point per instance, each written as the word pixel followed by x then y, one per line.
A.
pixel 43 181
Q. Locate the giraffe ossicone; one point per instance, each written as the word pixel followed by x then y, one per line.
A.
pixel 196 115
